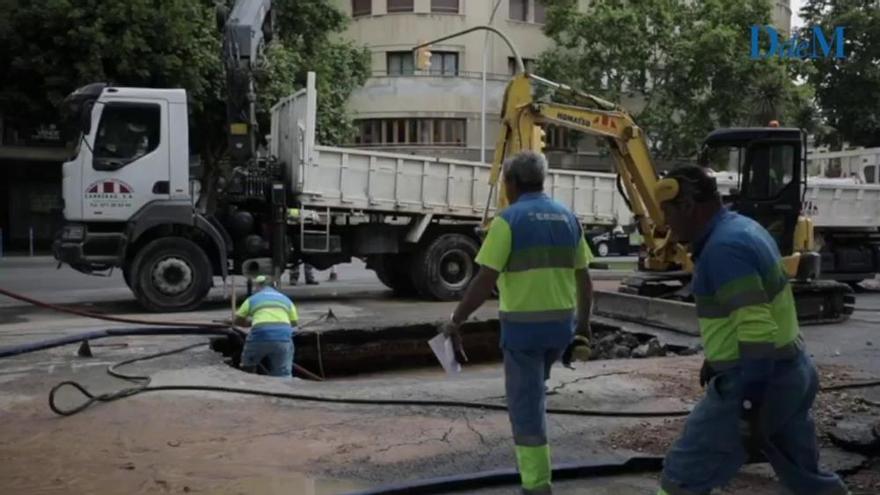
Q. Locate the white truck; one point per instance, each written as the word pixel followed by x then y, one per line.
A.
pixel 843 199
pixel 130 203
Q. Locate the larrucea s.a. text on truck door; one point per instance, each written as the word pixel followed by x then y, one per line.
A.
pixel 770 188
pixel 127 163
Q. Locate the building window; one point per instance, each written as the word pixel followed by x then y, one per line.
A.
pixel 529 64
pixel 410 132
pixel 519 10
pixel 400 63
pixel 400 5
pixel 361 7
pixel 444 6
pixel 870 175
pixel 540 13
pixel 444 63
pixel 559 138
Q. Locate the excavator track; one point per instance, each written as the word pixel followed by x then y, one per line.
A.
pixel 823 301
pixel 644 299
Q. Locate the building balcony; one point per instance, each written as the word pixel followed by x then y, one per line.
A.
pixel 435 95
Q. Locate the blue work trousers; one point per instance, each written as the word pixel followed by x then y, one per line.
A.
pixel 276 356
pixel 710 451
pixel 525 372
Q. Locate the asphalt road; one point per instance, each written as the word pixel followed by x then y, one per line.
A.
pixel 161 439
pixel 41 278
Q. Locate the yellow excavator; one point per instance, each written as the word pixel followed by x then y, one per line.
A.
pixel 772 170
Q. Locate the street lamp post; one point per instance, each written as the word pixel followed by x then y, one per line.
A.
pixel 483 92
pixel 520 69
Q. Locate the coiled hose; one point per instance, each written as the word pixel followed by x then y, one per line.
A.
pixel 143 385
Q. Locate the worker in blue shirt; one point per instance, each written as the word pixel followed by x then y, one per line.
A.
pixel 536 253
pixel 760 384
pixel 272 317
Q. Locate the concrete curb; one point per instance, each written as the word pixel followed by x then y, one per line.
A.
pixel 672 315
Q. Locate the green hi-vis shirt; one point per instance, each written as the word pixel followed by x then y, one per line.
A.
pixel 744 300
pixel 272 315
pixel 536 244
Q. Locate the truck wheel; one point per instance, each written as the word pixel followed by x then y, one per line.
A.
pixel 129 277
pixel 171 274
pixel 393 271
pixel 602 249
pixel 443 269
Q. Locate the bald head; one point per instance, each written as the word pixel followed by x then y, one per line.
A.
pixel 523 173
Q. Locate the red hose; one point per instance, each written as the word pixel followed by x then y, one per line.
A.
pixel 98 316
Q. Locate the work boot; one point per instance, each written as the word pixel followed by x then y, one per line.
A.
pixel 312 282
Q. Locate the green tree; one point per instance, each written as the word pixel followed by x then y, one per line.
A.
pixel 682 67
pixel 848 90
pixel 51 47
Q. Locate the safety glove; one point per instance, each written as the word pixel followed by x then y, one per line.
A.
pixel 577 350
pixel 706 374
pixel 579 347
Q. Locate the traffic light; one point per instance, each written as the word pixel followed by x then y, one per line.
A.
pixel 423 58
pixel 539 139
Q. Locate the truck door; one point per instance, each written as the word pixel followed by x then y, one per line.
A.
pixel 129 164
pixel 771 189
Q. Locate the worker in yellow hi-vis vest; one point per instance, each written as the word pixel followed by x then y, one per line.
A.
pixel 536 252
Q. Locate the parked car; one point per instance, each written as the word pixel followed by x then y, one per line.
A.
pixel 621 241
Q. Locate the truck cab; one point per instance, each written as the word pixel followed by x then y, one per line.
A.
pixel 127 185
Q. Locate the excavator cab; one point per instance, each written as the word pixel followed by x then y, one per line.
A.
pixel 767 163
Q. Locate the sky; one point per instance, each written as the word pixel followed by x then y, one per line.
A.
pixel 795 8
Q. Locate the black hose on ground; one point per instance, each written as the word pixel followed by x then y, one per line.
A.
pixel 143 386
pixel 123 332
pixel 502 477
pixel 847 386
pixel 15 350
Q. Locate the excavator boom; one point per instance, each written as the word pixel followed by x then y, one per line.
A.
pixel 645 297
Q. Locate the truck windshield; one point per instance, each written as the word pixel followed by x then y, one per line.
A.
pixel 724 158
pixel 770 169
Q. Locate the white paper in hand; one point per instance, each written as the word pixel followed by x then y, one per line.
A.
pixel 442 347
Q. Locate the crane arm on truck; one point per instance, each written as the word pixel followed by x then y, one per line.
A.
pixel 248 29
pixel 527 107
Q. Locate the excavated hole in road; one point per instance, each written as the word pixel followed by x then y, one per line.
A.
pixel 348 352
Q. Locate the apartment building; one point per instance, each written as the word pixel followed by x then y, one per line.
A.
pixel 437 112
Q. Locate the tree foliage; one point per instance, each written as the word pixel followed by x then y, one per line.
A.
pixel 683 68
pixel 50 47
pixel 848 91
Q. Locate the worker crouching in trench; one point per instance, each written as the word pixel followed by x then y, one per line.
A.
pixel 536 252
pixel 272 317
